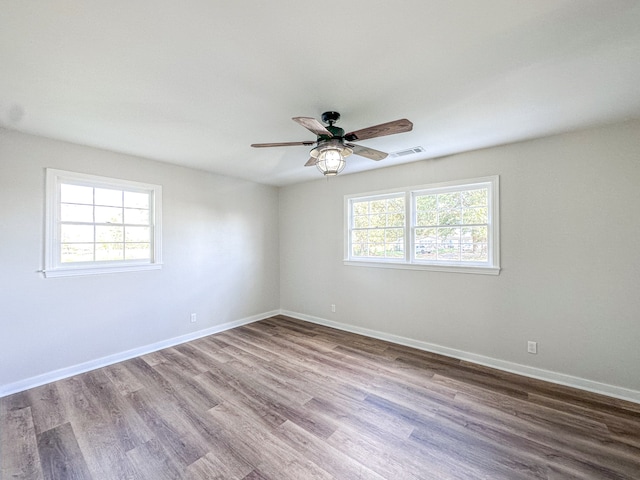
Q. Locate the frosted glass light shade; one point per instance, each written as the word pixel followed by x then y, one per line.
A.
pixel 331 157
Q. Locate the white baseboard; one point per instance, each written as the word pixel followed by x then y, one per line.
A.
pixel 532 372
pixel 66 372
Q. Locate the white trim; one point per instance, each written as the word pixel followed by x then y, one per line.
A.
pixel 71 272
pixel 66 372
pixel 481 270
pixel 519 369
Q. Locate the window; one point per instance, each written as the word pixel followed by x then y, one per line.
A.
pixel 100 225
pixel 450 226
pixel 378 227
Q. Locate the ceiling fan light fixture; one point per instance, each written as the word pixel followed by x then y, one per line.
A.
pixel 330 157
pixel 330 162
pixel 330 151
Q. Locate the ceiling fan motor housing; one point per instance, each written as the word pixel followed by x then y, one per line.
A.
pixel 336 133
pixel 330 117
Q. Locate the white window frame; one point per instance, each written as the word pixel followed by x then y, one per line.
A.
pixel 490 267
pixel 53 267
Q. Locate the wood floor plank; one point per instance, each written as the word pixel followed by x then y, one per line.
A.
pixel 122 378
pixel 162 416
pixel 95 432
pixel 47 407
pixel 120 417
pixel 215 467
pixel 19 447
pixel 274 458
pixel 60 455
pixel 152 462
pixel 321 453
pixel 286 399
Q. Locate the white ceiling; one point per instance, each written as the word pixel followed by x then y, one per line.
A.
pixel 196 82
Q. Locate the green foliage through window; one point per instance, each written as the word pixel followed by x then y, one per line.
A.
pixel 439 216
pixel 377 228
pixel 446 224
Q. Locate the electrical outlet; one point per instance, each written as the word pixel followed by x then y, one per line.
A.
pixel 532 347
pixel 194 318
pixel 333 307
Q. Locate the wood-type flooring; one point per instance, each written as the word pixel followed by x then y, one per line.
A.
pixel 285 399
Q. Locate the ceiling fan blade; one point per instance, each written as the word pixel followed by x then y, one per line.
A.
pixel 367 152
pixel 282 144
pixel 313 125
pixel 311 162
pixel 389 128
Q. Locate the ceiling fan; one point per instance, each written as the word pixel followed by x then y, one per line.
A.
pixel 332 145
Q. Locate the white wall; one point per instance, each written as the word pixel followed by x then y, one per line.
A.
pixel 570 251
pixel 220 253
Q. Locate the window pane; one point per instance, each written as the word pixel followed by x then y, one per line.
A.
pixel 376 236
pixel 107 196
pixel 378 220
pixel 449 244
pixel 136 216
pixel 76 194
pixel 76 233
pixel 474 252
pixel 447 201
pixel 395 220
pixel 361 221
pixel 426 235
pixel 137 251
pixel 393 235
pixel 450 252
pixel 394 251
pixel 395 204
pixel 475 215
pixel 426 251
pixel 136 200
pixel 427 218
pixel 109 234
pixel 448 235
pixel 137 234
pixel 449 217
pixel 475 198
pixel 360 236
pixel 360 208
pixel 474 235
pixel 108 215
pixel 359 250
pixel 70 212
pixel 426 202
pixel 377 206
pixel 109 251
pixel 76 252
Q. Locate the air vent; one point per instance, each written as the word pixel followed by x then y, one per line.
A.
pixel 409 151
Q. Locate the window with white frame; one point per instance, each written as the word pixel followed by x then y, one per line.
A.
pixel 100 225
pixel 449 226
pixel 377 229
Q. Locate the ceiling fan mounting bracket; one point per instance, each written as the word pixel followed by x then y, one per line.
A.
pixel 330 117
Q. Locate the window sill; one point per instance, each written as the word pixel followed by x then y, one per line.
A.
pixel 482 270
pixel 81 271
